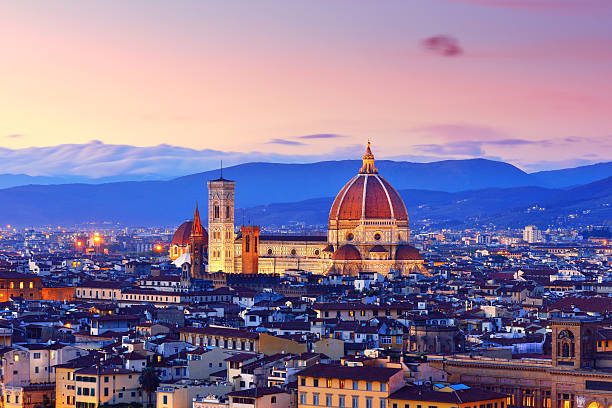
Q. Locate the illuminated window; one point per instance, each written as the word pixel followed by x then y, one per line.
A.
pixel 16 357
pixel 329 383
pixel 12 285
pixel 20 285
pixel 31 285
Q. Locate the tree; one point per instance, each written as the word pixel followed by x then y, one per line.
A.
pixel 149 381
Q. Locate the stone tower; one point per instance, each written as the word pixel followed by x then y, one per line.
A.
pixel 197 247
pixel 574 342
pixel 250 249
pixel 221 225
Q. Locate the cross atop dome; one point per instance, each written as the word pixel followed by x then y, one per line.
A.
pixel 368 162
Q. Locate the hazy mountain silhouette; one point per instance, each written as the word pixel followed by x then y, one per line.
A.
pixel 446 190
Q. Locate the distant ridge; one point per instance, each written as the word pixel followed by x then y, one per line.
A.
pixel 169 202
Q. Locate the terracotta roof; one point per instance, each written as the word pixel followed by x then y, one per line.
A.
pixel 347 252
pixel 352 373
pixel 407 252
pixel 368 196
pixel 182 235
pixel 257 392
pixel 412 393
pixel 220 331
pixel 378 248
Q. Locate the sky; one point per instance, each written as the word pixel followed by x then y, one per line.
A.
pixel 524 81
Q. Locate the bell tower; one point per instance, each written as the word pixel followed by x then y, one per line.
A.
pixel 250 249
pixel 221 225
pixel 574 342
pixel 197 247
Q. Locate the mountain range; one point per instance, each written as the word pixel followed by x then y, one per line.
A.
pixel 445 192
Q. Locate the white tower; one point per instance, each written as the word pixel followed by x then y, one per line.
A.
pixel 221 225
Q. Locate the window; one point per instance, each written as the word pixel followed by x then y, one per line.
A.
pixel 315 399
pixel 36 369
pixel 383 387
pixel 36 355
pixel 328 400
pixel 105 379
pixel 355 402
pixel 355 384
pixel 273 400
pixel 303 382
pixel 17 399
pixel 341 401
pixel 302 398
pixel 328 383
pixel 20 285
pixel 315 382
pixel 106 391
pixel 368 402
pixel 341 383
pixel 165 399
pixel 368 386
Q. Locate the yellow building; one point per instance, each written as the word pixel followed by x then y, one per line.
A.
pixel 261 397
pixel 412 396
pixel 93 386
pixel 342 386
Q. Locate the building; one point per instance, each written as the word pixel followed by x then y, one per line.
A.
pixel 532 234
pixel 239 340
pixel 181 394
pixel 199 240
pixel 15 285
pixel 575 376
pixel 343 386
pixel 260 397
pixel 368 231
pixel 95 386
pixel 449 396
pixel 179 245
pixel 221 225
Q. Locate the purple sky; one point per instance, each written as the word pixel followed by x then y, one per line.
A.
pixel 525 81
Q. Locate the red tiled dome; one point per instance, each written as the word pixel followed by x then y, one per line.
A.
pixel 407 252
pixel 379 249
pixel 368 196
pixel 182 236
pixel 347 252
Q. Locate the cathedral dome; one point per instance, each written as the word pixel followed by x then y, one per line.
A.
pixel 182 235
pixel 347 252
pixel 407 253
pixel 368 196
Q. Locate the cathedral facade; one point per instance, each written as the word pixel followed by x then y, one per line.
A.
pixel 368 231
